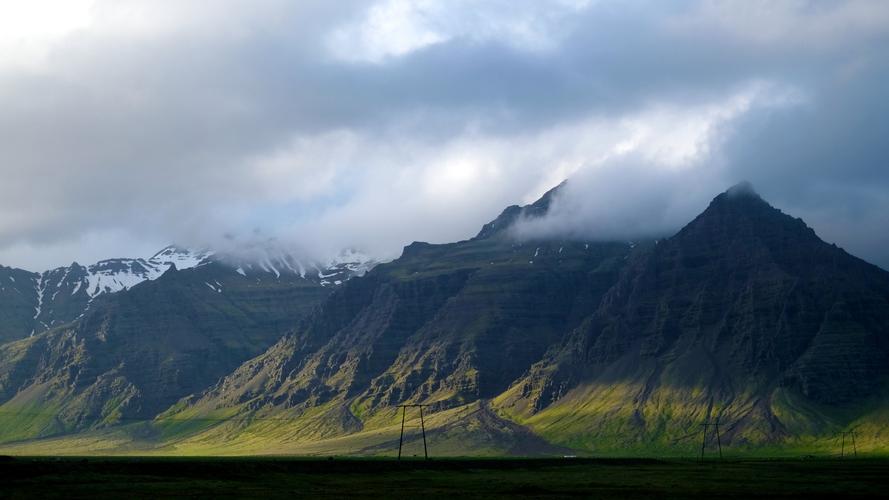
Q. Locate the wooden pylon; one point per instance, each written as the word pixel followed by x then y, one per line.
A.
pixel 404 408
pixel 706 426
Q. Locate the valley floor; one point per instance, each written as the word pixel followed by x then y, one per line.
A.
pixel 23 477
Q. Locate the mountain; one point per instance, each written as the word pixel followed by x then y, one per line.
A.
pixel 18 303
pixel 134 353
pixel 55 297
pixel 444 324
pixel 514 213
pixel 129 337
pixel 517 346
pixel 335 271
pixel 745 316
pixel 35 302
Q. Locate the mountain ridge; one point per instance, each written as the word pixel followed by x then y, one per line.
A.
pixel 599 347
pixel 61 295
pixel 718 283
pixel 744 293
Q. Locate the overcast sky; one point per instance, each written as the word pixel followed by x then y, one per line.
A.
pixel 128 124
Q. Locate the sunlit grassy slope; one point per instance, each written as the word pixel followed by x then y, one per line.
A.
pixel 470 430
pixel 603 428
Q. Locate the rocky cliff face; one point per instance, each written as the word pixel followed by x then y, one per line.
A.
pixel 447 324
pixel 741 309
pixel 18 303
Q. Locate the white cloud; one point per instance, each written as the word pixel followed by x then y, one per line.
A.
pixel 661 168
pixel 304 168
pixel 85 249
pixel 28 29
pixel 443 191
pixel 395 28
pixel 390 29
pixel 681 136
pixel 788 24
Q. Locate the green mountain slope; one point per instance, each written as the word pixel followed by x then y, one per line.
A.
pixel 745 315
pixel 135 353
pixel 446 325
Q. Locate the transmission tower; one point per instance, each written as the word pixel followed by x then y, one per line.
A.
pixel 422 428
pixel 706 427
pixel 851 434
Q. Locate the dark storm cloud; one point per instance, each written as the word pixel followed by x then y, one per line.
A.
pixel 828 159
pixel 377 124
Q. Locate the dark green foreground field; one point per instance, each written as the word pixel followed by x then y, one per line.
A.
pixel 278 478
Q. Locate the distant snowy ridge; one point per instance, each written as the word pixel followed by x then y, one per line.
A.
pixel 63 294
pixel 114 275
pixel 347 264
pixel 66 293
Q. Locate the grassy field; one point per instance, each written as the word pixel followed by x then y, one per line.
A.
pixel 24 477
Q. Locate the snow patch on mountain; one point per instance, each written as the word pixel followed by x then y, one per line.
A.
pixel 65 293
pixel 180 257
pixel 114 275
pixel 358 263
pixel 41 289
pixel 276 263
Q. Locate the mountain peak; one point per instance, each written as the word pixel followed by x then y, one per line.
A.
pixel 512 213
pixel 741 190
pixel 741 194
pixel 740 197
pixel 740 219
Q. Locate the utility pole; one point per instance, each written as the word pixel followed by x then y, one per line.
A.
pixel 854 448
pixel 706 426
pixel 426 450
pixel 404 408
pixel 851 434
pixel 401 437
